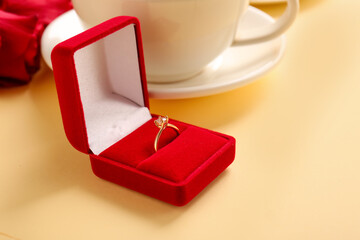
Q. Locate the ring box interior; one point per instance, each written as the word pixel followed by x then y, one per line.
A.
pixel 102 90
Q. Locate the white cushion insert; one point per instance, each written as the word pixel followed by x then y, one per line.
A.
pixel 110 88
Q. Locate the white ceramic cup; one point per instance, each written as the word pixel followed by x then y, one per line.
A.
pixel 181 37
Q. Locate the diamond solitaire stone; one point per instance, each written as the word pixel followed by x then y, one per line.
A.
pixel 161 121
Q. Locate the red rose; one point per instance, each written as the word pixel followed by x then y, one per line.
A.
pixel 19 49
pixel 45 10
pixel 21 25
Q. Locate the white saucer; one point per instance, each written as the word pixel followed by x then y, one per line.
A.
pixel 236 67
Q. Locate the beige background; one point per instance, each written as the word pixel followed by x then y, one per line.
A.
pixel 295 176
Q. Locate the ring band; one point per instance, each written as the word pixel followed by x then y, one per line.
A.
pixel 162 123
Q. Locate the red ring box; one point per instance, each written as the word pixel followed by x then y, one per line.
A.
pixel 101 84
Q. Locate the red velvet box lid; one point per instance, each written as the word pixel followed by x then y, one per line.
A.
pixel 93 60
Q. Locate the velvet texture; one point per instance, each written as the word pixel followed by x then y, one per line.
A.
pixel 183 166
pixel 177 157
pixel 176 173
pixel 126 152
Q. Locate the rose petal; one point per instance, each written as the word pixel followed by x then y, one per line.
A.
pixel 45 10
pixel 21 25
pixel 19 46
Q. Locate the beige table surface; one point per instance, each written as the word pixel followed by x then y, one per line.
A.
pixel 296 174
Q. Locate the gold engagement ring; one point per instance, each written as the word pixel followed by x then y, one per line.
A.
pixel 162 123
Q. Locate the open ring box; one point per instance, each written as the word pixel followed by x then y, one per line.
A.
pixel 101 84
